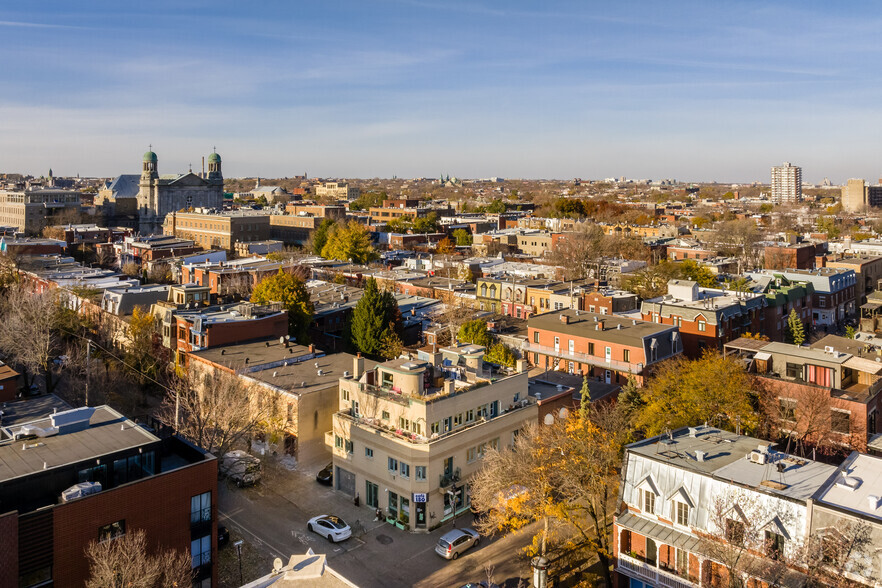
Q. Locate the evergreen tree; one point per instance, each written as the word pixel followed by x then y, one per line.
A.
pixel 320 237
pixel 475 332
pixel 795 329
pixel 631 397
pixel 375 318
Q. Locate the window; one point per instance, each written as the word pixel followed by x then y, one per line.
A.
pixel 591 349
pixel 200 551
pixel 349 446
pixel 448 424
pixel 114 530
pixel 682 563
pixel 794 370
pixel 702 326
pixel 436 427
pixel 774 545
pixel 734 531
pixel 403 424
pixel 368 452
pixel 494 443
pixel 471 454
pixel 345 394
pixel 385 415
pixel 840 421
pixel 404 468
pixel 470 415
pixel 393 465
pixel 200 508
pixel 626 355
pixel 535 336
pixel 682 513
pixel 338 441
pixel 787 409
pixel 648 501
pixel 457 420
pixel 822 376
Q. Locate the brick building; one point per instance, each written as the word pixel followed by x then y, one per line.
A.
pixel 834 296
pixel 790 256
pixel 706 317
pixel 90 474
pixel 609 348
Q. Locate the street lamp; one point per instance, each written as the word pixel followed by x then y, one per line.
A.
pixel 238 545
pixel 540 571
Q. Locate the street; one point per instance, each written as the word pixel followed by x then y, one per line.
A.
pixel 272 517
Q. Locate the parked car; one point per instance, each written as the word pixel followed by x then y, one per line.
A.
pixel 223 536
pixel 330 527
pixel 454 542
pixel 241 467
pixel 326 476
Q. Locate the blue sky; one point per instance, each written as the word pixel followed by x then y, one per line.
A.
pixel 688 90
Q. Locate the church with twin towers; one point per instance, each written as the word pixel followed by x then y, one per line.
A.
pixel 158 195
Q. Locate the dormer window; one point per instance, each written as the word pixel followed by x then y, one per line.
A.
pixel 647 501
pixel 682 513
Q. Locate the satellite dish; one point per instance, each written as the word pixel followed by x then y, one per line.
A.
pixel 281 340
pixel 564 413
pixel 287 337
pixel 277 565
pixel 549 419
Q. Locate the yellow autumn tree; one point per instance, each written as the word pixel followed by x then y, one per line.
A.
pixel 684 392
pixel 563 475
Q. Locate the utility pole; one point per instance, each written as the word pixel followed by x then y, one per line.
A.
pixel 88 366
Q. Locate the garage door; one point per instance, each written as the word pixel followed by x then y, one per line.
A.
pixel 345 481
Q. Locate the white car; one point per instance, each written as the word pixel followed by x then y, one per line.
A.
pixel 332 528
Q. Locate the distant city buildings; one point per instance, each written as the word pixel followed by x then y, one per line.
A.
pixel 787 183
pixel 857 196
pixel 338 190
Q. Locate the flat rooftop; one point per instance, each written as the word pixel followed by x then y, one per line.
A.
pixel 864 469
pixel 30 409
pixel 726 457
pixel 583 324
pixel 108 432
pixel 303 377
pixel 258 353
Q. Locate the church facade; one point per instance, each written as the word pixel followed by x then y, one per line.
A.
pixel 158 195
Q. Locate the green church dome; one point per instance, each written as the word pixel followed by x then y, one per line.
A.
pixel 214 158
pixel 150 156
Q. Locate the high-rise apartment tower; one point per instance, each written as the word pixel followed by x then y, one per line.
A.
pixel 787 183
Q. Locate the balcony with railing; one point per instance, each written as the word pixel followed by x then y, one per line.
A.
pixel 575 356
pixel 631 566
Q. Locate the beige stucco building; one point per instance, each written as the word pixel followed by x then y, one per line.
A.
pixel 410 432
pixel 339 190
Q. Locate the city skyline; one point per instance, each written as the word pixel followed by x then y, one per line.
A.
pixel 412 88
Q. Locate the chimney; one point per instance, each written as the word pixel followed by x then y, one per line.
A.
pixel 449 386
pixel 311 348
pixel 521 366
pixel 599 325
pixel 357 366
pixel 564 319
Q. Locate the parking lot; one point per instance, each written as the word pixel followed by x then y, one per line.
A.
pixel 272 517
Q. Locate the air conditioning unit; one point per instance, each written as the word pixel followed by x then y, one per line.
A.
pixel 757 457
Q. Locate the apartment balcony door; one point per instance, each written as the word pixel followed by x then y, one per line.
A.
pixel 557 344
pixel 609 354
pixel 608 377
pixel 572 346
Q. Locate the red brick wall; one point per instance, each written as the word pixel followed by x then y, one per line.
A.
pixel 159 505
pixel 9 550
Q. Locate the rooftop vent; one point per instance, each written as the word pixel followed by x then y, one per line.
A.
pixel 700 455
pixel 321 373
pixel 693 431
pixel 848 482
pixel 80 490
pixel 346 374
pixel 875 501
pixel 71 421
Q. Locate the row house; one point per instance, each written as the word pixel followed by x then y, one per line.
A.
pixel 140 250
pixel 235 277
pixel 409 433
pixel 834 296
pixel 867 270
pixel 699 502
pixel 782 297
pixel 680 249
pixel 221 325
pixel 780 256
pixel 609 301
pixel 608 348
pixel 706 317
pixel 827 394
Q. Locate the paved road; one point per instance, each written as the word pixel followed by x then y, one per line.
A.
pixel 273 515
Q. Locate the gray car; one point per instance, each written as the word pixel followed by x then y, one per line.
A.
pixel 454 542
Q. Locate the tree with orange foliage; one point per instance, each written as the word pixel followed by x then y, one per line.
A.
pixel 445 246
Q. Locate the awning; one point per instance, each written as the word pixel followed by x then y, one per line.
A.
pixel 871 305
pixel 862 364
pixel 875 442
pixel 763 356
pixel 661 533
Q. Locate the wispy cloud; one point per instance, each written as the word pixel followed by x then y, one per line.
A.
pixel 39 25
